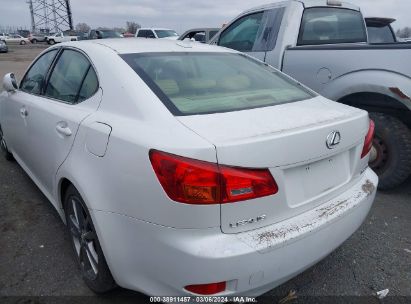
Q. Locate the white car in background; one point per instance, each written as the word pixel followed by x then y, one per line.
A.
pixel 60 37
pixel 15 38
pixel 157 33
pixel 187 169
pixel 3 36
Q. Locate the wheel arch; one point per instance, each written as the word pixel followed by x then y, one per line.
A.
pixel 64 184
pixel 379 103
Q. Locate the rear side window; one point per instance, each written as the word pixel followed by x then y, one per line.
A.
pixel 71 80
pixel 380 34
pixel 327 25
pixel 203 83
pixel 89 86
pixel 35 78
pixel 255 32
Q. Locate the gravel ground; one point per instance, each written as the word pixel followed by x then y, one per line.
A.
pixel 18 58
pixel 36 258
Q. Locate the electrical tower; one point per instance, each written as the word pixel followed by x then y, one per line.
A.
pixel 50 15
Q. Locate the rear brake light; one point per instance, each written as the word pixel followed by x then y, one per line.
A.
pixel 207 289
pixel 368 140
pixel 192 181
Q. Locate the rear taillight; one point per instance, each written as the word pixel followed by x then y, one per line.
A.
pixel 240 184
pixel 207 289
pixel 368 140
pixel 187 180
pixel 192 181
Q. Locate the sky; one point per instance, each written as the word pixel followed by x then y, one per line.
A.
pixel 180 14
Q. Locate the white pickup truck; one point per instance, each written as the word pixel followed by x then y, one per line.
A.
pixel 61 37
pixel 324 45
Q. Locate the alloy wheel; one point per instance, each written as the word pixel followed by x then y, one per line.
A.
pixel 84 238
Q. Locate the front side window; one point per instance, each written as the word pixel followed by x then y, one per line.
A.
pixel 202 83
pixel 35 78
pixel 67 77
pixel 256 32
pixel 325 25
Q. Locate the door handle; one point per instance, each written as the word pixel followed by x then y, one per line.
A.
pixel 23 112
pixel 63 130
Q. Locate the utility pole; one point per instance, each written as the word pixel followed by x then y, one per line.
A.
pixel 33 28
pixel 50 15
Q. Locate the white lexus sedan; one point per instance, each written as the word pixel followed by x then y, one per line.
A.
pixel 187 169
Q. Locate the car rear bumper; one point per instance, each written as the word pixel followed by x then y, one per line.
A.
pixel 160 261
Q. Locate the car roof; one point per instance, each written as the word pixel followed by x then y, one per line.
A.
pixel 143 45
pixel 203 29
pixel 156 28
pixel 306 3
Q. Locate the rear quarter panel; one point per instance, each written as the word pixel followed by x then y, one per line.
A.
pixel 123 180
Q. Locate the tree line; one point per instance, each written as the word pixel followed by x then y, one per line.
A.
pixel 404 32
pixel 130 27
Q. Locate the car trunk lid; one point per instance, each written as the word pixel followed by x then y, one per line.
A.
pixel 291 141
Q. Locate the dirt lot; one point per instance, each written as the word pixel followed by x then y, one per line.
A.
pixel 36 259
pixel 18 58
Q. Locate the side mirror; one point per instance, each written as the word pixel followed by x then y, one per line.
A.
pixel 10 83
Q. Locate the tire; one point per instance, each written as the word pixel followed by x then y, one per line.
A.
pixel 51 42
pixel 85 243
pixel 34 41
pixel 3 147
pixel 22 42
pixel 391 151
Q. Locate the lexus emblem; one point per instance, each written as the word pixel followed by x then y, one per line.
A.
pixel 333 139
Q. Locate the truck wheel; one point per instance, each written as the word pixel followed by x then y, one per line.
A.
pixel 84 240
pixel 390 155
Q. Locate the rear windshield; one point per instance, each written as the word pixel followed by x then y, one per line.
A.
pixel 165 33
pixel 204 83
pixel 325 25
pixel 110 34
